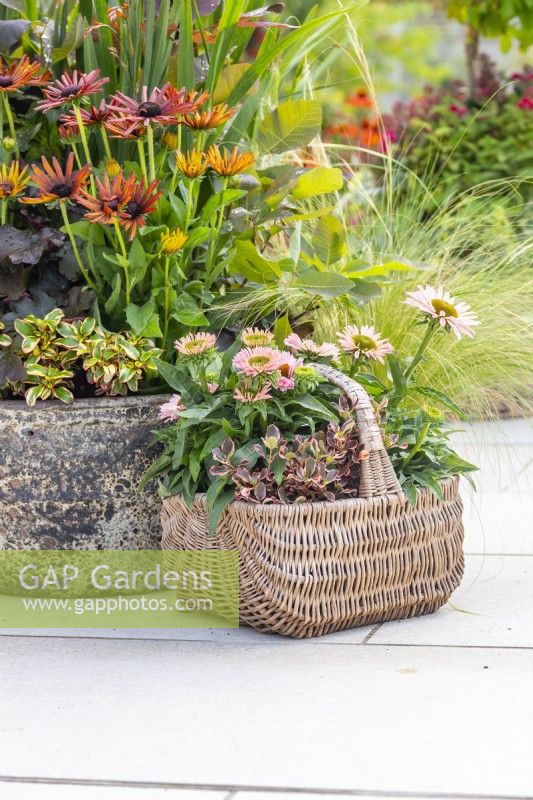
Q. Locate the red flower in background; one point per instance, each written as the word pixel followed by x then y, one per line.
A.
pixel 360 99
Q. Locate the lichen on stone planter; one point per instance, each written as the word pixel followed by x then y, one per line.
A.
pixel 69 474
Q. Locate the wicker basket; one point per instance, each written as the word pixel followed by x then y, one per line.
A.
pixel 313 568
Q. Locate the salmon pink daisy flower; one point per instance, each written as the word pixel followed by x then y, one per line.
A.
pixel 196 344
pixel 256 337
pixel 249 396
pixel 364 342
pixel 170 411
pixel 71 87
pixel 252 361
pixel 438 304
pixel 299 345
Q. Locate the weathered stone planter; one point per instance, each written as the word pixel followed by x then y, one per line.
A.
pixel 69 473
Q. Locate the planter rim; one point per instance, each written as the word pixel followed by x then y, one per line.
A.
pixel 273 508
pixel 93 403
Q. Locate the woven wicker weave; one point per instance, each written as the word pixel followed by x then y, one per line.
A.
pixel 313 568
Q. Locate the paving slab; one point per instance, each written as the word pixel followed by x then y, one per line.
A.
pixel 498 523
pixel 493 607
pixel 332 717
pixel 501 467
pixel 242 635
pixel 498 431
pixel 68 791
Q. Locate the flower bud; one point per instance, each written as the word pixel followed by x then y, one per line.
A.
pixel 112 167
pixel 170 140
pixel 9 143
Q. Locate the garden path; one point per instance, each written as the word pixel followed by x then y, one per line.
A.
pixel 436 707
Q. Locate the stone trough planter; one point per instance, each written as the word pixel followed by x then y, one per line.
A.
pixel 69 473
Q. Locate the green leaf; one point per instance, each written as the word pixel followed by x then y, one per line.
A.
pixel 186 47
pixel 33 394
pixel 158 466
pixel 329 240
pixel 113 301
pixel 290 126
pixel 249 263
pixel 441 398
pixel 397 374
pixel 63 394
pixel 217 507
pixel 137 262
pixel 72 40
pixel 320 180
pixel 228 80
pixel 410 492
pixel 219 200
pixel 282 329
pixel 310 403
pixel 144 320
pixel 324 284
pixel 176 378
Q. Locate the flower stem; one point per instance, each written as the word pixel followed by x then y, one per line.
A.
pixel 11 121
pixel 4 211
pixel 151 154
pixel 420 352
pixel 418 444
pixel 76 154
pixel 142 159
pixel 167 299
pixel 84 141
pixel 124 252
pixel 81 265
pixel 105 141
pixel 214 238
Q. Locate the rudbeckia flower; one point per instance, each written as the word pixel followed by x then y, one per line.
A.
pixel 55 184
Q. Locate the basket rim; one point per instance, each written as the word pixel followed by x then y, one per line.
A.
pixel 285 508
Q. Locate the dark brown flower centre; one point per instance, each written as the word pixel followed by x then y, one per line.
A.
pixel 133 209
pixel 68 91
pixel 113 203
pixel 61 190
pixel 5 81
pixel 6 187
pixel 148 110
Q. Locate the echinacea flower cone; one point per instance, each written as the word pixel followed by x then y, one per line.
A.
pixel 364 342
pixel 439 305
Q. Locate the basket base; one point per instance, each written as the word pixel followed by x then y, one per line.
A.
pixel 311 569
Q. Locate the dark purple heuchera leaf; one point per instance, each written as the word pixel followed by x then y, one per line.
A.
pixel 27 247
pixel 11 32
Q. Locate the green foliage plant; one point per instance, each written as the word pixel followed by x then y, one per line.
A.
pixel 56 355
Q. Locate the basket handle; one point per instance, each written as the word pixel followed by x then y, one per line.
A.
pixel 377 476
